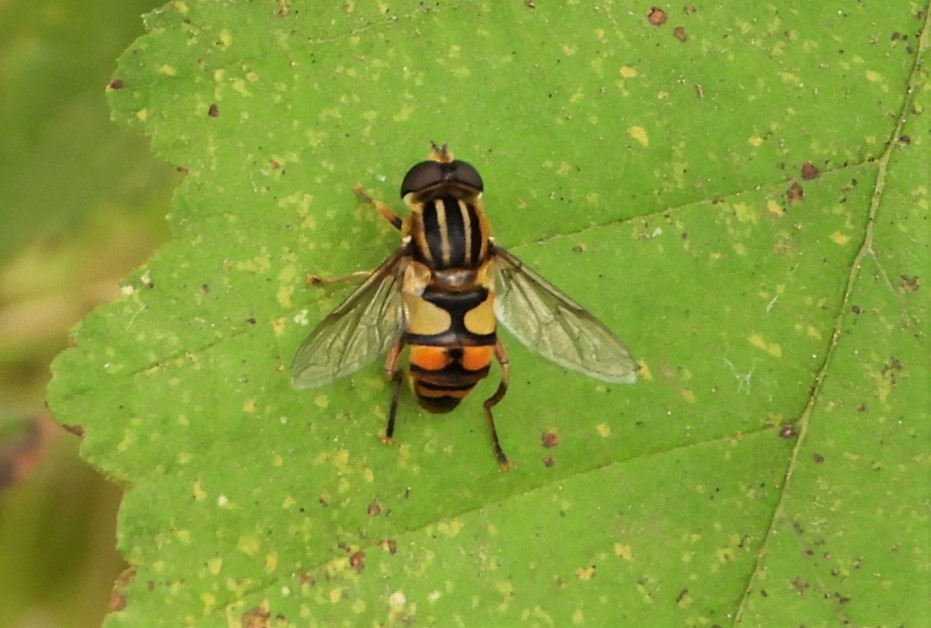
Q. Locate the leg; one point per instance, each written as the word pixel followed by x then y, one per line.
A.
pixel 383 209
pixel 492 401
pixel 395 375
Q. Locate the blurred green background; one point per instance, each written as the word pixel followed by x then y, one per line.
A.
pixel 81 203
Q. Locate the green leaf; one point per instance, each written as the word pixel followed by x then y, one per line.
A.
pixel 732 193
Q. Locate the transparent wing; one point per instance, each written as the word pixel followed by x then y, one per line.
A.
pixel 355 333
pixel 553 325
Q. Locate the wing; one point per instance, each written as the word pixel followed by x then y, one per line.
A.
pixel 356 332
pixel 549 323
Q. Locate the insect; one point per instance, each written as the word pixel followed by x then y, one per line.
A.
pixel 440 294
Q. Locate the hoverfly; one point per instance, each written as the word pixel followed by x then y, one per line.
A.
pixel 440 294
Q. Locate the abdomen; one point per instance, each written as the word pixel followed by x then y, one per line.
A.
pixel 452 341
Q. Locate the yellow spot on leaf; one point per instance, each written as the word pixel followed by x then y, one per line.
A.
pixel 142 115
pixel 215 565
pixel 128 439
pixel 404 113
pixel 645 371
pixel 688 395
pixel 604 430
pixel 623 551
pixel 199 493
pixel 873 76
pixel 336 594
pixel 184 536
pixel 627 71
pixel 271 562
pixel 277 460
pixel 578 617
pixel 744 212
pixel 321 401
pixel 167 70
pixel 284 296
pixel 756 141
pixel 248 545
pixel 239 86
pixel 450 528
pixel 639 134
pixel 773 349
pixel 839 238
pixel 585 573
pixel 774 208
pixel 249 406
pixel 210 601
pixel 225 38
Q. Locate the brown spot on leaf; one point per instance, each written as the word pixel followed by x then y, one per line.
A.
pixel 255 617
pixel 657 17
pixel 799 584
pixel 374 509
pixel 679 33
pixel 788 431
pixel 357 561
pixel 810 171
pixel 213 111
pixel 115 84
pixel 118 593
pixel 76 429
pixel 549 439
pixel 909 283
pixel 548 461
pixel 795 193
pixel 818 458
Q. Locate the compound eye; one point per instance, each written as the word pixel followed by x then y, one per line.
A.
pixel 422 176
pixel 464 173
